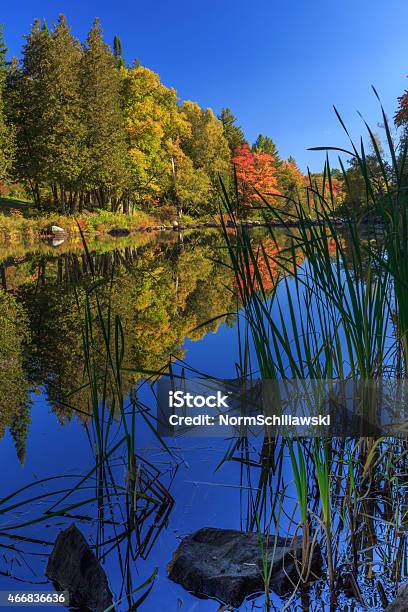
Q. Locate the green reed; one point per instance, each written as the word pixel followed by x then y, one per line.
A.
pixel 332 306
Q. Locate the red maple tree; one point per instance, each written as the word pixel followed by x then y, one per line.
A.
pixel 256 172
pixel 401 116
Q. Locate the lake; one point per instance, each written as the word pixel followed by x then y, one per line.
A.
pixel 177 302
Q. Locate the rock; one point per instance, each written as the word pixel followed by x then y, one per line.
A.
pixel 56 242
pixel 119 231
pixel 226 565
pixel 73 567
pixel 55 231
pixel 400 603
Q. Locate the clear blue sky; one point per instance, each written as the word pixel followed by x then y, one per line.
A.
pixel 280 66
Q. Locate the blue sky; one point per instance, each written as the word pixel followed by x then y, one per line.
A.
pixel 280 66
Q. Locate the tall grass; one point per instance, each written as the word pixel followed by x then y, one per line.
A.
pixel 337 309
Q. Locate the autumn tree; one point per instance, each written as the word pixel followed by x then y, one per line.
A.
pixel 206 145
pixel 401 115
pixel 256 174
pixel 154 127
pixel 291 184
pixel 191 188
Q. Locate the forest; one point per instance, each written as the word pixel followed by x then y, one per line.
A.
pixel 282 275
pixel 80 130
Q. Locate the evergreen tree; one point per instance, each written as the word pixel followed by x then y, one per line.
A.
pixel 117 52
pixel 19 430
pixel 3 54
pixel 233 133
pixel 6 134
pixel 27 104
pixel 46 109
pixel 14 388
pixel 105 166
pixel 64 130
pixel 264 144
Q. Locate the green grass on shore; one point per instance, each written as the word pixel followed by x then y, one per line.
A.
pixel 19 222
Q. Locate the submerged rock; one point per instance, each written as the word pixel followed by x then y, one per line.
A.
pixel 56 242
pixel 227 564
pixel 73 567
pixel 119 231
pixel 400 603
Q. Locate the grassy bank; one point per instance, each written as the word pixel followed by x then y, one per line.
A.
pixel 21 223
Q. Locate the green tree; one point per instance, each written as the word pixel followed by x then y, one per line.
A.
pixel 64 130
pixel 14 400
pixel 232 132
pixel 46 108
pixel 104 176
pixel 264 144
pixel 117 52
pixel 6 133
pixel 356 195
pixel 25 103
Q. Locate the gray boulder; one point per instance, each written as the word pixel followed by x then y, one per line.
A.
pixel 400 603
pixel 73 567
pixel 226 565
pixel 56 231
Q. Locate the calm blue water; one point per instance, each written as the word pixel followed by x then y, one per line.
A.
pixel 205 493
pixel 202 496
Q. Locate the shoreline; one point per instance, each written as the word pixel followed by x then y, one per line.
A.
pixel 18 228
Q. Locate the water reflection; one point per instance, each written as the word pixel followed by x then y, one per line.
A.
pixel 132 494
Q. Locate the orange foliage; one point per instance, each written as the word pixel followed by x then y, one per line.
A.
pixel 255 171
pixel 267 268
pixel 401 116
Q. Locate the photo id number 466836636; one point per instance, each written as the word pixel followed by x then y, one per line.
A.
pixel 33 598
